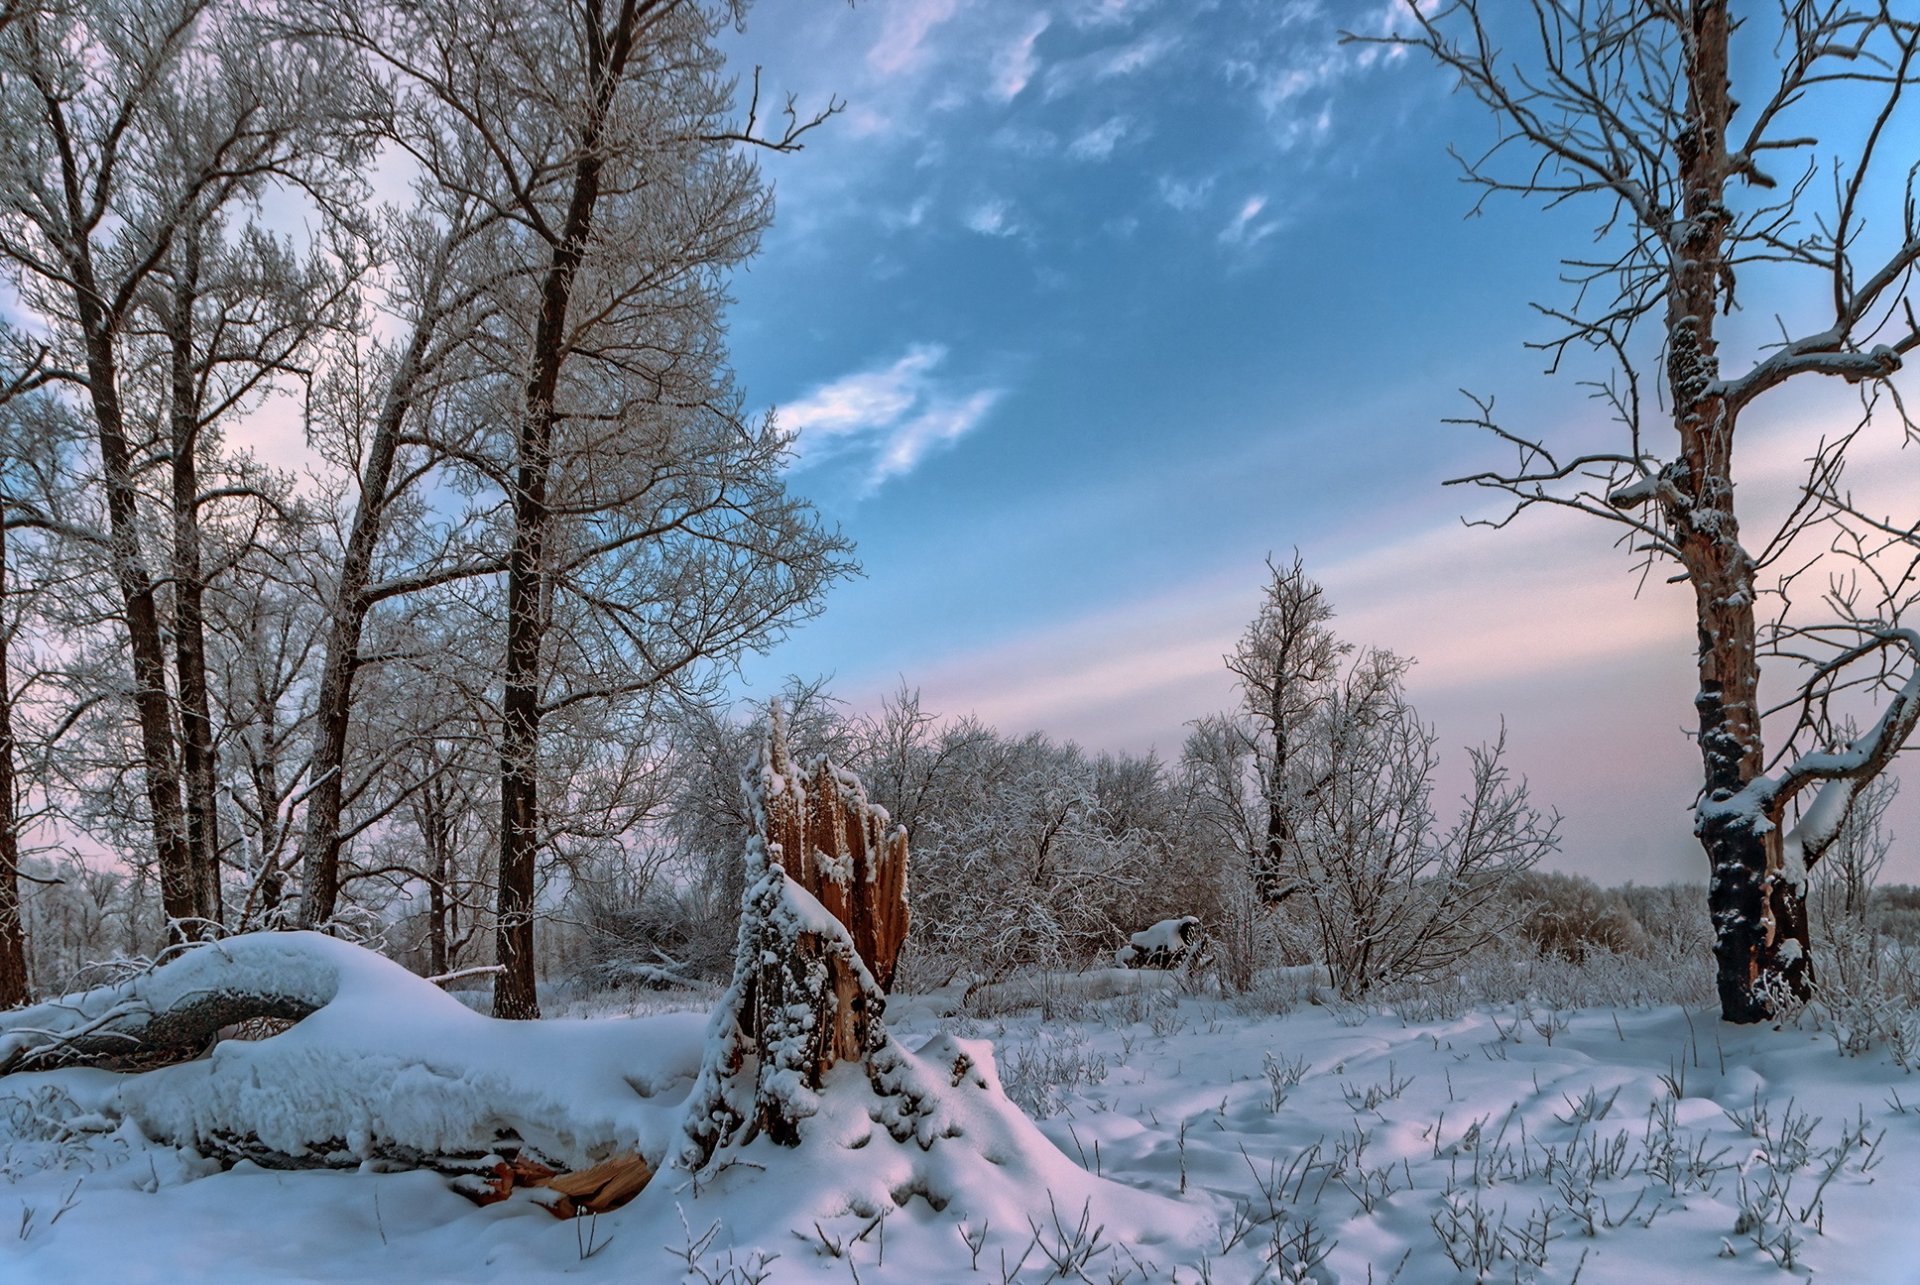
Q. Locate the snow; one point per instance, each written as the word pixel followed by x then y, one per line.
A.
pixel 1185 1128
pixel 1168 937
pixel 391 1063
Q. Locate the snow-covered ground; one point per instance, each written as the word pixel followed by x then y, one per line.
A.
pixel 1323 1143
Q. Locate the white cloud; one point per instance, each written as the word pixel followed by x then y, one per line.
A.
pixel 943 422
pixel 1136 56
pixel 1247 227
pixel 993 218
pixel 889 417
pixel 1026 140
pixel 1016 63
pixel 1097 144
pixel 1186 194
pixel 1106 13
pixel 913 216
pixel 902 46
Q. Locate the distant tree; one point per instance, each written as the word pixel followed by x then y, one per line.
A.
pixel 1391 891
pixel 1323 784
pixel 1675 118
pixel 1285 664
pixel 1846 878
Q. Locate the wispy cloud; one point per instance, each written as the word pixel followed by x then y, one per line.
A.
pixel 902 46
pixel 994 217
pixel 1186 195
pixel 1247 227
pixel 1136 56
pixel 1106 13
pixel 1097 144
pixel 1016 63
pixel 889 418
pixel 1026 140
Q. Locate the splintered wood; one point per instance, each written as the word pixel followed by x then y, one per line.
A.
pixel 823 917
pixel 607 1185
pixel 838 847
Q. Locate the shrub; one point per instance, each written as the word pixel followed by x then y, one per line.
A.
pixel 1571 916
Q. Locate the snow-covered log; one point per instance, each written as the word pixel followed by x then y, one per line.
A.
pixel 384 1067
pixel 1166 944
pixel 174 1010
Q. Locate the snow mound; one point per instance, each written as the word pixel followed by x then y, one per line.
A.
pixel 385 1067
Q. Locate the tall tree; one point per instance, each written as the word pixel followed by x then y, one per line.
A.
pixel 1676 117
pixel 1285 664
pixel 129 126
pixel 645 530
pixel 19 372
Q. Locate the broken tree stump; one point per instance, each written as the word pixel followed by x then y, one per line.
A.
pixel 822 922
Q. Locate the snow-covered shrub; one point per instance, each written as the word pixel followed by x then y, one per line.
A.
pixel 1867 987
pixel 1168 943
pixel 1040 1074
pixel 1568 915
pixel 1392 894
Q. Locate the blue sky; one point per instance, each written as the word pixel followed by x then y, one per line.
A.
pixel 1082 308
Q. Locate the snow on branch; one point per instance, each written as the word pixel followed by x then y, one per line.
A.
pixel 1837 774
pixel 1842 773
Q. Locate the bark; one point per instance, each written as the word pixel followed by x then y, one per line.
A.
pixel 1270 874
pixel 514 992
pixel 13 939
pixel 436 818
pixel 141 613
pixel 197 755
pixel 1742 845
pixel 333 709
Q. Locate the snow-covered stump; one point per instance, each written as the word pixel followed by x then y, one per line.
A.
pixel 821 926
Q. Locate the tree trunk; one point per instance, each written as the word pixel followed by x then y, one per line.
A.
pixel 13 937
pixel 141 614
pixel 1755 913
pixel 514 993
pixel 197 761
pixel 436 827
pixel 1270 877
pixel 333 711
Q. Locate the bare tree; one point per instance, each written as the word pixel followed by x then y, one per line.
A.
pixel 1634 105
pixel 20 369
pixel 130 128
pixel 1284 663
pixel 1390 893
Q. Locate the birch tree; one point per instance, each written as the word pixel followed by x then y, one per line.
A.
pixel 1764 151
